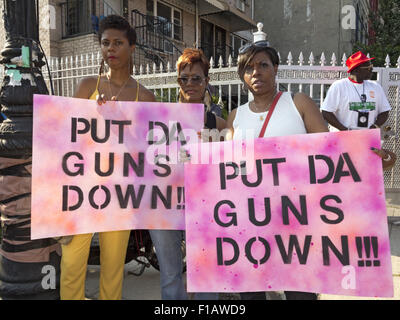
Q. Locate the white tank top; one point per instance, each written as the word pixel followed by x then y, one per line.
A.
pixel 285 120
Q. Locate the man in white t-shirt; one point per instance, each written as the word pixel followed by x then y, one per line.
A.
pixel 356 102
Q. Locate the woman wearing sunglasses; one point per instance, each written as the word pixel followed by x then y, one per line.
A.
pixel 193 80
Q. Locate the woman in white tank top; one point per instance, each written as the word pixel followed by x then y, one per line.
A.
pixel 257 67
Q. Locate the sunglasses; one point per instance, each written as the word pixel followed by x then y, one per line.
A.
pixel 370 67
pixel 196 80
pixel 258 44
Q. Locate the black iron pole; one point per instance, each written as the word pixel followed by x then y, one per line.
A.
pixel 29 269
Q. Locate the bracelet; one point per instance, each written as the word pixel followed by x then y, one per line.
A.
pixel 388 158
pixel 376 126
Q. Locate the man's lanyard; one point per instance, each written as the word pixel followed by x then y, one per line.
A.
pixel 363 97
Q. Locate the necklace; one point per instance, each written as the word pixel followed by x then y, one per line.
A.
pixel 267 108
pixel 114 98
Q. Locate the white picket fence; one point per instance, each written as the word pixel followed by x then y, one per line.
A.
pixel 295 75
pixel 308 76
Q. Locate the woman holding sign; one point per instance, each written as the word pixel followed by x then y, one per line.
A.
pixel 193 80
pixel 272 113
pixel 257 67
pixel 117 40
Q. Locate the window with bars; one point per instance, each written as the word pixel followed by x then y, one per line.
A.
pixel 236 42
pixel 167 19
pixel 241 5
pixel 76 17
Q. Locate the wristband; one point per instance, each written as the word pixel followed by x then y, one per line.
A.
pixel 388 158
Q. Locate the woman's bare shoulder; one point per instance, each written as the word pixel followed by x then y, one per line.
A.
pixel 146 94
pixel 86 87
pixel 304 103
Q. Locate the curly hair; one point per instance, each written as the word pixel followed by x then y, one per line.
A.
pixel 119 23
pixel 191 56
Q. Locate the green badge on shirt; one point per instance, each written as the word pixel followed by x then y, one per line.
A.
pixel 357 106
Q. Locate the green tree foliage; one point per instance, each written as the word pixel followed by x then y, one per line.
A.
pixel 386 25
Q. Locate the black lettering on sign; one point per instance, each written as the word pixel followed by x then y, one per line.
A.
pixel 166 167
pixel 301 215
pixel 366 243
pixel 252 213
pixel 337 173
pixel 243 170
pixel 235 247
pixel 65 197
pixel 176 133
pixel 74 127
pixel 222 173
pixel 342 255
pixel 94 134
pixel 121 124
pixel 130 193
pixel 129 162
pixel 92 126
pixel 337 211
pixel 164 127
pixel 177 127
pixel 107 199
pixel 275 172
pixel 157 194
pixel 232 215
pixel 79 166
pixel 311 165
pixel 287 255
pixel 342 173
pixel 249 254
pixel 97 165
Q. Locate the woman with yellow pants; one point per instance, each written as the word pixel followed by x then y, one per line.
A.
pixel 117 40
pixel 113 246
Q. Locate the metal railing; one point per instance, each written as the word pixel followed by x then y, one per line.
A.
pixel 76 18
pixel 223 51
pixel 154 37
pixel 311 77
pixel 107 9
pixel 79 17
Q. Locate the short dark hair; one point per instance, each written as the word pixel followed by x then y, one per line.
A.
pixel 245 58
pixel 119 23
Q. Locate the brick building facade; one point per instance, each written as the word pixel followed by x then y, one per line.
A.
pixel 165 28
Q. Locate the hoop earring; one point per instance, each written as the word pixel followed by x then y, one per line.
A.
pixel 101 70
pixel 245 88
pixel 131 66
pixel 180 95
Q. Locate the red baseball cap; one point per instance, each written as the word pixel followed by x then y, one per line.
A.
pixel 356 59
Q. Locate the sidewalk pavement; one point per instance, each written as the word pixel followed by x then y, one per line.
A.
pixel 147 285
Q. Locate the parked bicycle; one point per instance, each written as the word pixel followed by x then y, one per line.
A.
pixel 140 250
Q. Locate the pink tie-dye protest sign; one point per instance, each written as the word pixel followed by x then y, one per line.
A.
pixel 110 167
pixel 310 216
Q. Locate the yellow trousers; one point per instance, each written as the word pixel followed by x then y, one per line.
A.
pixel 113 246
